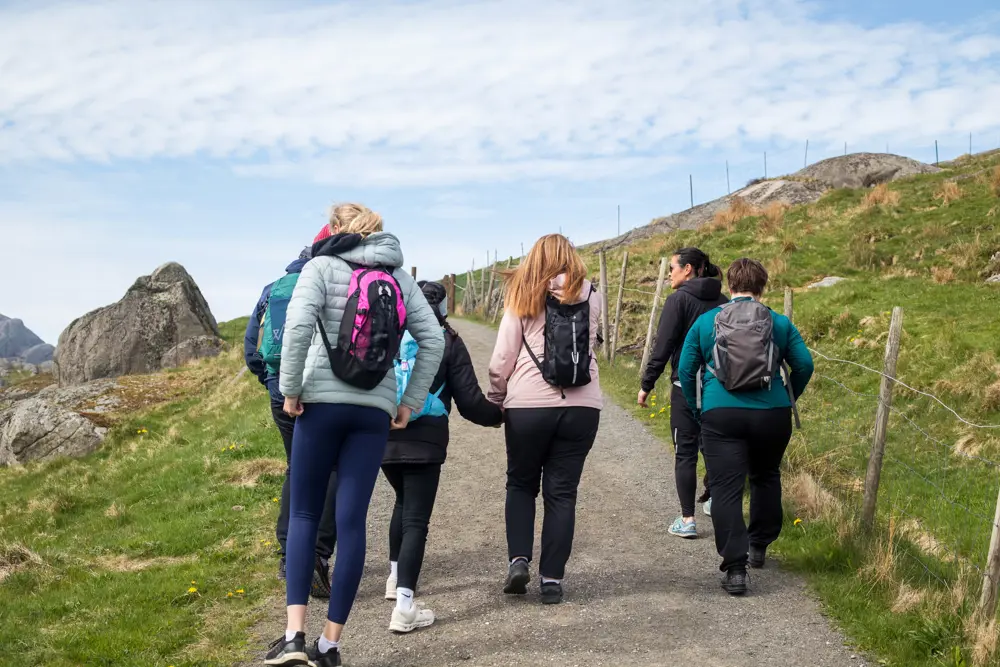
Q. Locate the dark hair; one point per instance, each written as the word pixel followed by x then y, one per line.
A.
pixel 747 275
pixel 435 293
pixel 699 261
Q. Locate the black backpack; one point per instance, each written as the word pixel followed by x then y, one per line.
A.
pixel 566 360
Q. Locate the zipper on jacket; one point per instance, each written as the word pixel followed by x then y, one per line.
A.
pixel 575 355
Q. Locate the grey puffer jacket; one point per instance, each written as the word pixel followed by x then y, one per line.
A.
pixel 322 290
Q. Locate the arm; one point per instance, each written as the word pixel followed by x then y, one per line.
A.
pixel 799 360
pixel 423 325
pixel 504 358
pixel 304 309
pixel 669 334
pixel 690 365
pixel 251 356
pixel 464 385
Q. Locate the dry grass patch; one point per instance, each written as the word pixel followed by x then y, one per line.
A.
pixel 948 192
pixel 772 218
pixel 993 180
pixel 908 599
pixel 943 274
pixel 810 499
pixel 122 563
pixel 881 568
pixel 923 540
pixel 726 219
pixel 880 197
pixel 983 635
pixel 15 557
pixel 246 473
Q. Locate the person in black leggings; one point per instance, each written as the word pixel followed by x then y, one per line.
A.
pixel 412 465
pixel 697 288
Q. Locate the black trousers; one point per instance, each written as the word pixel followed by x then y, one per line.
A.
pixel 327 537
pixel 546 447
pixel 738 443
pixel 687 443
pixel 416 486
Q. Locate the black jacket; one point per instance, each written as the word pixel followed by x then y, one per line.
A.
pixel 425 440
pixel 691 300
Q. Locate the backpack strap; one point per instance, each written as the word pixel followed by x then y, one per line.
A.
pixel 786 376
pixel 524 342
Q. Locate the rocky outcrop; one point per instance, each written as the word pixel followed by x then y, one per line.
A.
pixel 147 330
pixel 860 170
pixel 35 429
pixel 16 339
pixel 38 355
pixel 198 347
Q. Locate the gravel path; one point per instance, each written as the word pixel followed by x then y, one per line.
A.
pixel 634 594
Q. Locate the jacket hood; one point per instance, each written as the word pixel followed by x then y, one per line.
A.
pixel 704 289
pixel 556 289
pixel 378 249
pixel 296 266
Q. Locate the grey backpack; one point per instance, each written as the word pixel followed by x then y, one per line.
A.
pixel 745 355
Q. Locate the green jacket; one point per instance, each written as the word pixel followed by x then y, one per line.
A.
pixel 697 352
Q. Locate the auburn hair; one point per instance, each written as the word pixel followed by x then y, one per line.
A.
pixel 528 284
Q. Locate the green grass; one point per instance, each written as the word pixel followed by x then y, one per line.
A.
pixel 105 548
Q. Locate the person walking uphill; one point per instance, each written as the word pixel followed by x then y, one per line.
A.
pixel 544 374
pixel 739 351
pixel 343 329
pixel 413 459
pixel 697 289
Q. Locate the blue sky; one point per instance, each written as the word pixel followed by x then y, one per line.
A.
pixel 218 134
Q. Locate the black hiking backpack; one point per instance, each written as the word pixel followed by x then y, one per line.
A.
pixel 745 355
pixel 566 359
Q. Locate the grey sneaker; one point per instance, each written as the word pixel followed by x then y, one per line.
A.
pixel 735 581
pixel 517 578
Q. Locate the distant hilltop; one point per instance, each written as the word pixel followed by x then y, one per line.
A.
pixel 19 343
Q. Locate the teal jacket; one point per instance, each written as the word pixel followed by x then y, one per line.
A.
pixel 697 352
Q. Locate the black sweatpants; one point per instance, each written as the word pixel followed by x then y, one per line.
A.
pixel 327 536
pixel 739 442
pixel 416 486
pixel 686 432
pixel 546 447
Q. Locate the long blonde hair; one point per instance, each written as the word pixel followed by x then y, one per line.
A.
pixel 528 284
pixel 355 219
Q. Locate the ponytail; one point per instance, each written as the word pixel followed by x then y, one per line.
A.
pixel 699 261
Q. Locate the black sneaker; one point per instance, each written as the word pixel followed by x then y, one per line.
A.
pixel 735 581
pixel 284 652
pixel 329 659
pixel 757 557
pixel 552 592
pixel 517 578
pixel 281 569
pixel 321 579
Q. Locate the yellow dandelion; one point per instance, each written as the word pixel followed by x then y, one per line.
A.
pixel 232 446
pixel 797 522
pixel 192 590
pixel 652 414
pixel 274 500
pixel 267 543
pixel 229 594
pixel 193 583
pixel 662 410
pixel 240 591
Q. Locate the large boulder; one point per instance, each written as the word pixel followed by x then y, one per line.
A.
pixel 16 339
pixel 862 170
pixel 35 429
pixel 134 336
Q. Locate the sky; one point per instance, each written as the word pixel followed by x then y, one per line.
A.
pixel 218 134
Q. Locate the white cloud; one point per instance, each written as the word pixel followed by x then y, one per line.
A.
pixel 440 93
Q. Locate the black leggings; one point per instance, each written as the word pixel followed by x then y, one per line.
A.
pixel 546 447
pixel 416 486
pixel 686 433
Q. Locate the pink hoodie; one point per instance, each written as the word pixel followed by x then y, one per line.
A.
pixel 516 382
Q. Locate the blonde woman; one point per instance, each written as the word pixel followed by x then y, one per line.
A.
pixel 544 375
pixel 343 403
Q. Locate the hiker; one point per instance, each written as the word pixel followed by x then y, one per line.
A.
pixel 343 329
pixel 413 458
pixel 734 372
pixel 544 374
pixel 697 285
pixel 262 353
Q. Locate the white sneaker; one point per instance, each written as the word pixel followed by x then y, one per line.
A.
pixel 408 621
pixel 707 507
pixel 390 588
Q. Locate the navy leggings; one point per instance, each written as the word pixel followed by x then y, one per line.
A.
pixel 351 439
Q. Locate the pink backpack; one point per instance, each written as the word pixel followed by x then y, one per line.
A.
pixel 371 329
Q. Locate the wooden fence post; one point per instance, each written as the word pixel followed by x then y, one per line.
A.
pixel 501 290
pixel 874 473
pixel 451 294
pixel 413 272
pixel 652 314
pixel 486 267
pixel 488 299
pixel 788 302
pixel 605 334
pixel 618 308
pixel 991 577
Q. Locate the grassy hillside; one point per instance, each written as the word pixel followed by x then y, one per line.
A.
pixel 925 244
pixel 156 550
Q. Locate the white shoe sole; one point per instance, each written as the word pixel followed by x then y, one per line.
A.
pixel 390 589
pixel 686 536
pixel 400 626
pixel 290 659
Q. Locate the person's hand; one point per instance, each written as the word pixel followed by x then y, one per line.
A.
pixel 403 413
pixel 641 399
pixel 293 406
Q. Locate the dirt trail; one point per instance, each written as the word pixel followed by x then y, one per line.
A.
pixel 634 594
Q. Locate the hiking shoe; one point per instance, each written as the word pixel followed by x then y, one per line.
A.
pixel 281 569
pixel 757 556
pixel 284 652
pixel 707 507
pixel 517 578
pixel 735 581
pixel 682 528
pixel 410 620
pixel 552 592
pixel 329 659
pixel 390 588
pixel 321 579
